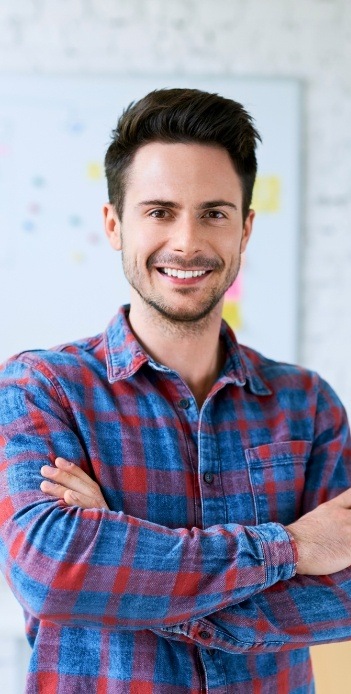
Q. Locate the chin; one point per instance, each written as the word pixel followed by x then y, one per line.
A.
pixel 183 315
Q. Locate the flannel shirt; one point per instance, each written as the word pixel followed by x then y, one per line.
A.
pixel 188 583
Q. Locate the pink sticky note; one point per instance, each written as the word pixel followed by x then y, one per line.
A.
pixel 235 292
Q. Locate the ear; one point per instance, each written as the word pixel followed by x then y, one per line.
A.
pixel 247 229
pixel 112 226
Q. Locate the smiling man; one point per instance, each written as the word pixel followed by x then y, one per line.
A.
pixel 181 234
pixel 193 529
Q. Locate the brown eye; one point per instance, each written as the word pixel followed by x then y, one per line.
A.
pixel 158 214
pixel 215 214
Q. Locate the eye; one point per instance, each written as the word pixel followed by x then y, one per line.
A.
pixel 215 214
pixel 159 214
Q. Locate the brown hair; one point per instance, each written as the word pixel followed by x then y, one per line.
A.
pixel 182 115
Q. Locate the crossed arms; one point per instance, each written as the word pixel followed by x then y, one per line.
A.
pixel 323 538
pixel 70 563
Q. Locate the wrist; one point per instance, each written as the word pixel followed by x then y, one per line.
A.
pixel 299 548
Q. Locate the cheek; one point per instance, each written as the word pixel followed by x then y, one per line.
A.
pixel 138 253
pixel 143 246
pixel 229 250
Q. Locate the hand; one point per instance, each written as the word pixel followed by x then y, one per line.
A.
pixel 72 484
pixel 323 537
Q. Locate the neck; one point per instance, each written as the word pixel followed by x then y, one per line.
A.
pixel 193 348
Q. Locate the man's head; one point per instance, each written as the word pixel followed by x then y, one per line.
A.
pixel 182 116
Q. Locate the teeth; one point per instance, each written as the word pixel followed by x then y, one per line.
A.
pixel 182 274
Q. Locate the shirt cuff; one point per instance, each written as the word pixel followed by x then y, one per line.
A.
pixel 279 549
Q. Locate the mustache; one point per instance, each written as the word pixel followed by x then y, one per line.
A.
pixel 199 262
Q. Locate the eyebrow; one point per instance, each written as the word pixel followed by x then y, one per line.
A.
pixel 208 204
pixel 216 203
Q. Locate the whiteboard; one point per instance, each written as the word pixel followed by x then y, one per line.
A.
pixel 59 278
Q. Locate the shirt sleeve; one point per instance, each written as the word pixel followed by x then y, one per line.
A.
pixel 305 610
pixel 99 567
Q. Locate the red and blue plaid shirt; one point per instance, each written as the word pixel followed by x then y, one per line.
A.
pixel 187 584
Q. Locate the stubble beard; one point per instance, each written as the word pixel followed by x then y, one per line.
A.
pixel 174 320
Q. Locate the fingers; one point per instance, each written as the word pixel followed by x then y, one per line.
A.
pixel 71 498
pixel 56 490
pixel 72 469
pixel 69 482
pixel 82 500
pixel 68 476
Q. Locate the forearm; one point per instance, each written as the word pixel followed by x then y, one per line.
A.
pixel 307 609
pixel 303 611
pixel 97 566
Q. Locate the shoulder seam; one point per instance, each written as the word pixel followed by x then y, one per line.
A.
pixel 66 346
pixel 43 368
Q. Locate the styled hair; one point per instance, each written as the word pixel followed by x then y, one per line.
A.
pixel 185 116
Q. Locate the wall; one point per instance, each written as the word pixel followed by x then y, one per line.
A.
pixel 309 40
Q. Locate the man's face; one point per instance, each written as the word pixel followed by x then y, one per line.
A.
pixel 182 230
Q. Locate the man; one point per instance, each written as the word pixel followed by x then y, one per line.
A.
pixel 193 530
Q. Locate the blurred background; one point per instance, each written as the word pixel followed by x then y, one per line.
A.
pixel 217 40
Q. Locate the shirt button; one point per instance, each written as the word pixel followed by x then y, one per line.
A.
pixel 204 635
pixel 208 477
pixel 184 403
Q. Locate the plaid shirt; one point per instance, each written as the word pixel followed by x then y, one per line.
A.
pixel 188 583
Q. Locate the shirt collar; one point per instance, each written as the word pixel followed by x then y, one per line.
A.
pixel 239 368
pixel 125 356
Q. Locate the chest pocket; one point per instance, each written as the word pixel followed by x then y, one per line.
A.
pixel 277 475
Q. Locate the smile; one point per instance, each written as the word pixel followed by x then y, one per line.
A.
pixel 181 274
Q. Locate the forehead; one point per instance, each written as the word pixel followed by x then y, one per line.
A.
pixel 182 169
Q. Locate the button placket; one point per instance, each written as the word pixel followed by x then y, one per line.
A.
pixel 214 510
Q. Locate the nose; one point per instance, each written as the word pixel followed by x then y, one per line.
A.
pixel 186 236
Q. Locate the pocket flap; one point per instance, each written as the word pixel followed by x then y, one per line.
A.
pixel 278 453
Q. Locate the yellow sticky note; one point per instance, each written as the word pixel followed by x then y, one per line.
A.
pixel 267 194
pixel 95 171
pixel 232 314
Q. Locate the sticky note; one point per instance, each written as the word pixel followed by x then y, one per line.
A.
pixel 28 225
pixel 38 181
pixel 33 208
pixel 235 292
pixel 232 314
pixel 76 127
pixel 95 171
pixel 94 238
pixel 75 220
pixel 267 194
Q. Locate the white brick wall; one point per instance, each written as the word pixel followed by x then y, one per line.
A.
pixel 309 39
